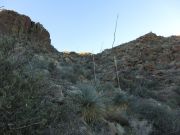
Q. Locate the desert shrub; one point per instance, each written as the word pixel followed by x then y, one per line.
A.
pixel 177 90
pixel 174 102
pixel 132 78
pixel 89 66
pixel 39 62
pixel 6 46
pixel 140 91
pixel 141 127
pixel 20 98
pixel 105 87
pixel 51 67
pixel 163 119
pixel 78 69
pixel 73 73
pixel 120 99
pixel 25 105
pixel 68 120
pixel 90 103
pixel 7 43
pixel 178 100
pixel 67 73
pixel 138 87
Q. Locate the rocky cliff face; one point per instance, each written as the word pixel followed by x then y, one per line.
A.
pixel 46 92
pixel 21 26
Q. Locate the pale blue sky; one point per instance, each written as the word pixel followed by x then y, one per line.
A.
pixel 88 25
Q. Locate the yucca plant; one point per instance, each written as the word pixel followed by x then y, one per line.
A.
pixel 90 103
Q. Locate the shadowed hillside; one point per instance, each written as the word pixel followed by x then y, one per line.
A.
pixel 46 92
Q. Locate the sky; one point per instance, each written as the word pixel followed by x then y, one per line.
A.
pixel 88 25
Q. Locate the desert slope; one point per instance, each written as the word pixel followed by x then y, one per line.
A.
pixel 46 92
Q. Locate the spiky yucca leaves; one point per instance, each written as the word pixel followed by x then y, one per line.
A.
pixel 91 103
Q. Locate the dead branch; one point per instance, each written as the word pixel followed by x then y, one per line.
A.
pixel 115 30
pixel 115 61
pixel 37 123
pixel 94 68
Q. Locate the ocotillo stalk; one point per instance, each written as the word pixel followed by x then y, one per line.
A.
pixel 117 74
pixel 115 61
pixel 115 31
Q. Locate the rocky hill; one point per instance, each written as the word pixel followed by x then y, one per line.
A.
pixel 131 89
pixel 151 60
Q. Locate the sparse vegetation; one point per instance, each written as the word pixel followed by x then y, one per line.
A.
pixel 19 94
pixel 163 119
pixel 141 127
pixel 46 92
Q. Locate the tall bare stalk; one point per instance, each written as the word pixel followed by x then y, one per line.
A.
pixel 115 31
pixel 94 68
pixel 115 61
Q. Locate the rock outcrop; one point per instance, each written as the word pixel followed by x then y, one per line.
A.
pixel 21 26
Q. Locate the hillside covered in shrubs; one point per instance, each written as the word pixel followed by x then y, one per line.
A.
pixel 131 89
